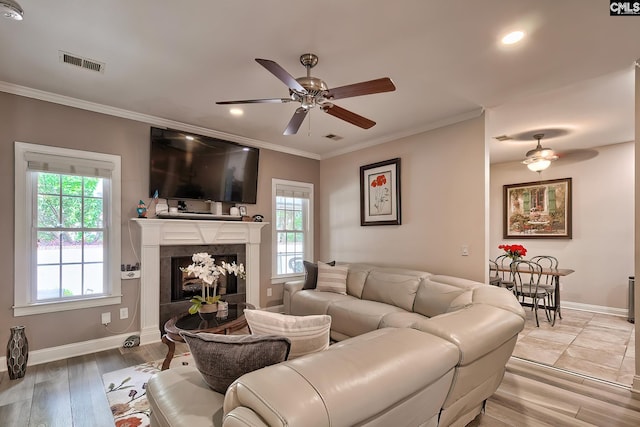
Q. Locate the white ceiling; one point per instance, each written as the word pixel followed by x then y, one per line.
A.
pixel 571 77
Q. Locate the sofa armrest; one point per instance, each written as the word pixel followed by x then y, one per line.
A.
pixel 290 288
pixel 476 329
pixel 243 417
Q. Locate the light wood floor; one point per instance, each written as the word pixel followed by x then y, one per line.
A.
pixel 70 393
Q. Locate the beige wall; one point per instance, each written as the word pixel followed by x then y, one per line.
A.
pixel 601 250
pixel 28 120
pixel 443 204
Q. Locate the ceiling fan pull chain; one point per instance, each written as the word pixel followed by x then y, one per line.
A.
pixel 309 131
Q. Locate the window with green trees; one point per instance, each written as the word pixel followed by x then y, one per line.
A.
pixel 67 225
pixel 293 229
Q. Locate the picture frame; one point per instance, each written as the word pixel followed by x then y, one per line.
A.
pixel 380 193
pixel 242 210
pixel 538 210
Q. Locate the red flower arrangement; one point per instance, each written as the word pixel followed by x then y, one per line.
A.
pixel 514 251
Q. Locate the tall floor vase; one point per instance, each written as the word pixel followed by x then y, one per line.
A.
pixel 17 353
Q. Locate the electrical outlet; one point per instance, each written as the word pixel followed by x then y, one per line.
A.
pixel 464 251
pixel 124 313
pixel 269 292
pixel 106 318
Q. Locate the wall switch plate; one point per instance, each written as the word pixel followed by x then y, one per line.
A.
pixel 124 313
pixel 269 292
pixel 133 274
pixel 105 318
pixel 464 251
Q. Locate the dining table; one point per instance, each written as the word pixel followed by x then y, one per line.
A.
pixel 556 274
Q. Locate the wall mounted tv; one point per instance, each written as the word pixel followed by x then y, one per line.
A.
pixel 189 166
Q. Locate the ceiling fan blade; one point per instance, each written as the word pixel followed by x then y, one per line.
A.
pixel 257 101
pixel 348 116
pixel 364 88
pixel 296 121
pixel 281 74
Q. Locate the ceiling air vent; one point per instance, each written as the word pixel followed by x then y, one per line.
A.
pixel 333 137
pixel 502 138
pixel 79 61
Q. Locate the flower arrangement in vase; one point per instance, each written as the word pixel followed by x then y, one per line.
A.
pixel 204 267
pixel 514 251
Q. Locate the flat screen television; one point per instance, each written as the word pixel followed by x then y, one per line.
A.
pixel 189 166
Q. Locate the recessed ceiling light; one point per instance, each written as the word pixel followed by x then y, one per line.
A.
pixel 513 37
pixel 189 137
pixel 236 112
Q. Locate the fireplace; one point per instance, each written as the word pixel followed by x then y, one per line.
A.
pixel 156 234
pixel 177 287
pixel 185 286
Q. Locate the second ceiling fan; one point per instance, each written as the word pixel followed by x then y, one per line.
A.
pixel 311 91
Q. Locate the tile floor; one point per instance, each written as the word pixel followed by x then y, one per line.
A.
pixel 597 345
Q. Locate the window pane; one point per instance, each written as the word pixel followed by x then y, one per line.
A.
pixel 48 211
pixel 48 281
pixel 280 215
pixel 71 185
pixel 289 220
pixel 71 280
pixel 93 187
pixel 93 279
pixel 48 183
pixel 71 212
pixel 93 247
pixel 297 220
pixel 93 213
pixel 48 248
pixel 71 247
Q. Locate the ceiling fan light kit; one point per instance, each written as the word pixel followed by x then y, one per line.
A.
pixel 11 10
pixel 311 91
pixel 539 158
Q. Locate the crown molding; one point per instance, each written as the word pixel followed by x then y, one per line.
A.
pixel 476 112
pixel 145 118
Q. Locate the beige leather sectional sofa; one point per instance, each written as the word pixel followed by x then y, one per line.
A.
pixel 415 349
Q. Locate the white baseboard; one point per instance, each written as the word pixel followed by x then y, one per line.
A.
pixel 66 351
pixel 614 311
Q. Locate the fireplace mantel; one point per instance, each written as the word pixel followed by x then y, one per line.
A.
pixel 164 232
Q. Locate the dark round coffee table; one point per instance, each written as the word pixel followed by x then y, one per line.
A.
pixel 233 321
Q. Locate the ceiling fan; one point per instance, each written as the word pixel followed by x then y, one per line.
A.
pixel 311 91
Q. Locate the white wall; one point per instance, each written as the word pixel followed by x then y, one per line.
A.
pixel 602 249
pixel 443 204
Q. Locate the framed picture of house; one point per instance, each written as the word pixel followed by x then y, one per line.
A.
pixel 380 193
pixel 538 210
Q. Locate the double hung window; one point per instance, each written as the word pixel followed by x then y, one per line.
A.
pixel 293 228
pixel 67 242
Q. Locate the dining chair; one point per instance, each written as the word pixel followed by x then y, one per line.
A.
pixel 506 277
pixel 548 280
pixel 526 279
pixel 494 274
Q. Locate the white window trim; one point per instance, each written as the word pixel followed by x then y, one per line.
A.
pixel 22 246
pixel 275 278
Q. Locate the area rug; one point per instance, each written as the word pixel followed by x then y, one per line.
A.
pixel 126 391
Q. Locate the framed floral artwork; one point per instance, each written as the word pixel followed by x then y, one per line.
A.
pixel 380 193
pixel 538 210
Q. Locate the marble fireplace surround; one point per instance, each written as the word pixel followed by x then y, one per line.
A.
pixel 173 232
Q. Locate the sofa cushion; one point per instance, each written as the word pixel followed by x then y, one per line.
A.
pixel 356 278
pixel 441 294
pixel 332 278
pixel 311 274
pixel 308 334
pixel 391 287
pixel 313 302
pixel 179 396
pixel 221 359
pixel 356 317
